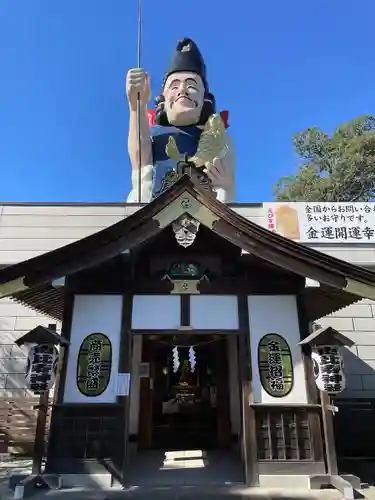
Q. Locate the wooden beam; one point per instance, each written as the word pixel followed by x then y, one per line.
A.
pixel 125 368
pixel 185 310
pixel 66 329
pixel 292 262
pixel 311 390
pixel 96 255
pixel 249 439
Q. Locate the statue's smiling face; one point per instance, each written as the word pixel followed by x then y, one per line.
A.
pixel 184 98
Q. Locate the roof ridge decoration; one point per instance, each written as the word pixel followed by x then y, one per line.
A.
pixel 183 205
pixel 185 229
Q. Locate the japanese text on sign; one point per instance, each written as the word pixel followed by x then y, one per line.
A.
pixel 94 362
pixel 323 222
pixel 93 365
pixel 330 377
pixel 41 376
pixel 339 221
pixel 275 366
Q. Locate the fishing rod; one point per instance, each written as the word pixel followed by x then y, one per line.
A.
pixel 139 47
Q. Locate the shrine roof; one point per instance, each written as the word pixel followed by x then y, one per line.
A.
pixel 340 283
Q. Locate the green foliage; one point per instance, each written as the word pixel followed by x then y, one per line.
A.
pixel 336 168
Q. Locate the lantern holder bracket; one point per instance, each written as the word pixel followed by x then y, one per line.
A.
pixel 41 407
pixel 347 484
pixel 26 485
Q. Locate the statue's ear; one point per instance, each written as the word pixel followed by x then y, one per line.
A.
pixel 208 109
pixel 160 114
pixel 160 99
pixel 210 99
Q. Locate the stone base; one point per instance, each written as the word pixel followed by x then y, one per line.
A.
pixel 346 484
pixel 299 482
pixel 107 481
pixel 97 481
pixel 26 485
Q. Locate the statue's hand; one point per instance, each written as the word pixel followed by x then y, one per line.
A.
pixel 137 82
pixel 221 174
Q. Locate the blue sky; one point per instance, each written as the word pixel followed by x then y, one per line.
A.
pixel 277 66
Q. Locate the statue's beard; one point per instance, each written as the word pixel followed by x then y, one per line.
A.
pixel 183 116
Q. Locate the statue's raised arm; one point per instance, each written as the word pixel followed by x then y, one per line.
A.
pixel 138 84
pixel 183 111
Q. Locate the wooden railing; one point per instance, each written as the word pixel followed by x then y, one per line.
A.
pixel 87 431
pixel 17 425
pixel 288 433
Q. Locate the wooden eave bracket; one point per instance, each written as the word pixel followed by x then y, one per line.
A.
pixel 59 282
pixel 12 287
pixel 18 285
pixel 310 283
pixel 360 289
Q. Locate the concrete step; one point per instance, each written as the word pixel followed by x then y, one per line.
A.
pixel 184 493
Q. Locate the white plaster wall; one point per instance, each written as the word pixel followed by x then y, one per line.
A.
pixel 276 314
pixel 214 312
pixel 94 314
pixel 30 229
pixel 156 312
pixel 27 230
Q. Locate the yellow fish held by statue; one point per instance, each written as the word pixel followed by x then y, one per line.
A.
pixel 212 143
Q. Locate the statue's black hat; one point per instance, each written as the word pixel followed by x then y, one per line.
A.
pixel 187 57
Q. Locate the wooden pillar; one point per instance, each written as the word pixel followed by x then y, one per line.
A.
pixel 40 432
pixel 311 389
pixel 222 377
pixel 125 368
pixel 41 421
pixel 329 435
pixel 185 310
pixel 146 397
pixel 304 329
pixel 58 398
pixel 249 439
pixel 66 328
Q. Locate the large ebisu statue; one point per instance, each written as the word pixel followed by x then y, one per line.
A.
pixel 186 125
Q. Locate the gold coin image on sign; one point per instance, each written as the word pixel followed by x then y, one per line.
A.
pixel 287 222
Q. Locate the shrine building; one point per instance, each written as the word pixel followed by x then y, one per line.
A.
pixel 183 320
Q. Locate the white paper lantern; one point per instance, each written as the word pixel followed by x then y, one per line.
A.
pixel 328 365
pixel 41 368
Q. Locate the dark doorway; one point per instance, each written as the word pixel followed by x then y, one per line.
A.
pixel 188 399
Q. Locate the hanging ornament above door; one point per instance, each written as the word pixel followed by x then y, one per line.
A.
pixel 192 359
pixel 176 360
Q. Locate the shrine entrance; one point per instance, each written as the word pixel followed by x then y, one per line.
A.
pixel 186 433
pixel 185 401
